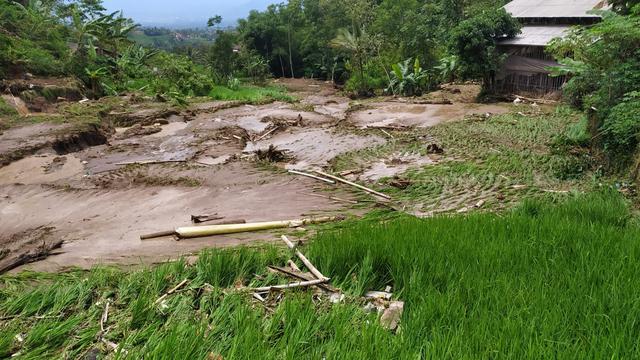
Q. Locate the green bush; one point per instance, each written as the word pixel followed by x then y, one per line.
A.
pixel 6 109
pixel 621 129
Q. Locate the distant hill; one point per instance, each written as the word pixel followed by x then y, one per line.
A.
pixel 186 13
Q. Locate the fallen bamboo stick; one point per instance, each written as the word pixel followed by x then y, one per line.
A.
pixel 158 234
pixel 364 188
pixel 176 288
pixel 290 286
pixel 332 198
pixel 149 162
pixel 304 259
pixel 204 218
pixel 210 230
pixel 293 265
pixel 311 176
pixel 297 274
pixel 268 133
pixel 105 317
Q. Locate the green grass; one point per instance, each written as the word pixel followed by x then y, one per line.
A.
pixel 6 109
pixel 500 161
pixel 252 94
pixel 544 281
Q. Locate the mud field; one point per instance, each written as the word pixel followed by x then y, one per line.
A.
pixel 152 168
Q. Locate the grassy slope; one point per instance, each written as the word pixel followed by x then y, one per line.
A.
pixel 543 281
pixel 501 160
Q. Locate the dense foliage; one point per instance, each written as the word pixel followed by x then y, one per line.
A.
pixel 363 42
pixel 604 62
pixel 77 38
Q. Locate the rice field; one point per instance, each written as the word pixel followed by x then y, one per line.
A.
pixel 550 279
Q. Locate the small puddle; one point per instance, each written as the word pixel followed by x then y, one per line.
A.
pixel 40 169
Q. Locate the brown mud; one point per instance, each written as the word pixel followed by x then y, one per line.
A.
pixel 149 167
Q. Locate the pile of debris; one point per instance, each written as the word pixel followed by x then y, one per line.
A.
pixel 390 311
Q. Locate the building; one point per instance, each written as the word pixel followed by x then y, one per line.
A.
pixel 526 67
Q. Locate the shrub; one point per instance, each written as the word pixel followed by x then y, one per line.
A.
pixel 621 128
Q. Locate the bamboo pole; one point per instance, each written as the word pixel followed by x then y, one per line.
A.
pixel 364 188
pixel 304 259
pixel 297 274
pixel 183 283
pixel 200 231
pixel 334 198
pixel 311 176
pixel 290 286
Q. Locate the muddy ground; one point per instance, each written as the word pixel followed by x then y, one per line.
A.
pixel 148 167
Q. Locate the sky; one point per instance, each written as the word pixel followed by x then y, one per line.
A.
pixel 185 12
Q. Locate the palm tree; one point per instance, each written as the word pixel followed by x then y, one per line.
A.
pixel 353 44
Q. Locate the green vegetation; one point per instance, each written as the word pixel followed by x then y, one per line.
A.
pixel 547 280
pixel 497 160
pixel 6 109
pixel 357 42
pixel 604 61
pixel 250 94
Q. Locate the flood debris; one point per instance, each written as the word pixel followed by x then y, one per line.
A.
pixel 197 219
pixel 334 198
pixel 211 230
pixel 272 154
pixel 434 148
pixel 391 316
pixel 296 172
pixel 315 278
pixel 361 187
pixel 172 291
pixel 34 246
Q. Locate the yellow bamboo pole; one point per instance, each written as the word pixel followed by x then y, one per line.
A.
pixel 201 231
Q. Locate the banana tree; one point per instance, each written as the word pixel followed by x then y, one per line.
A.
pixel 406 79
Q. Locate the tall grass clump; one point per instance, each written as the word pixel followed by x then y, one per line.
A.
pixel 547 280
pixel 252 94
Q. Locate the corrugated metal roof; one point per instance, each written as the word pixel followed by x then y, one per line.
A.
pixel 554 8
pixel 536 35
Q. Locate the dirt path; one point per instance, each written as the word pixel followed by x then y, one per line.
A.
pixel 199 161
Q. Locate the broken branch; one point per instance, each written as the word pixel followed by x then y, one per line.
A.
pixel 290 286
pixel 304 259
pixel 332 198
pixel 176 288
pixel 364 188
pixel 311 176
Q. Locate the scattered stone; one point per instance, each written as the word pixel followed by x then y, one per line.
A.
pixel 378 295
pixel 390 318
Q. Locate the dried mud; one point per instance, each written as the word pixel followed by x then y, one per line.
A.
pixel 98 193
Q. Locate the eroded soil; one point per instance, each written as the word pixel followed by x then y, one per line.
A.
pixel 157 166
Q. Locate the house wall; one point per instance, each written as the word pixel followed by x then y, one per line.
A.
pixel 521 77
